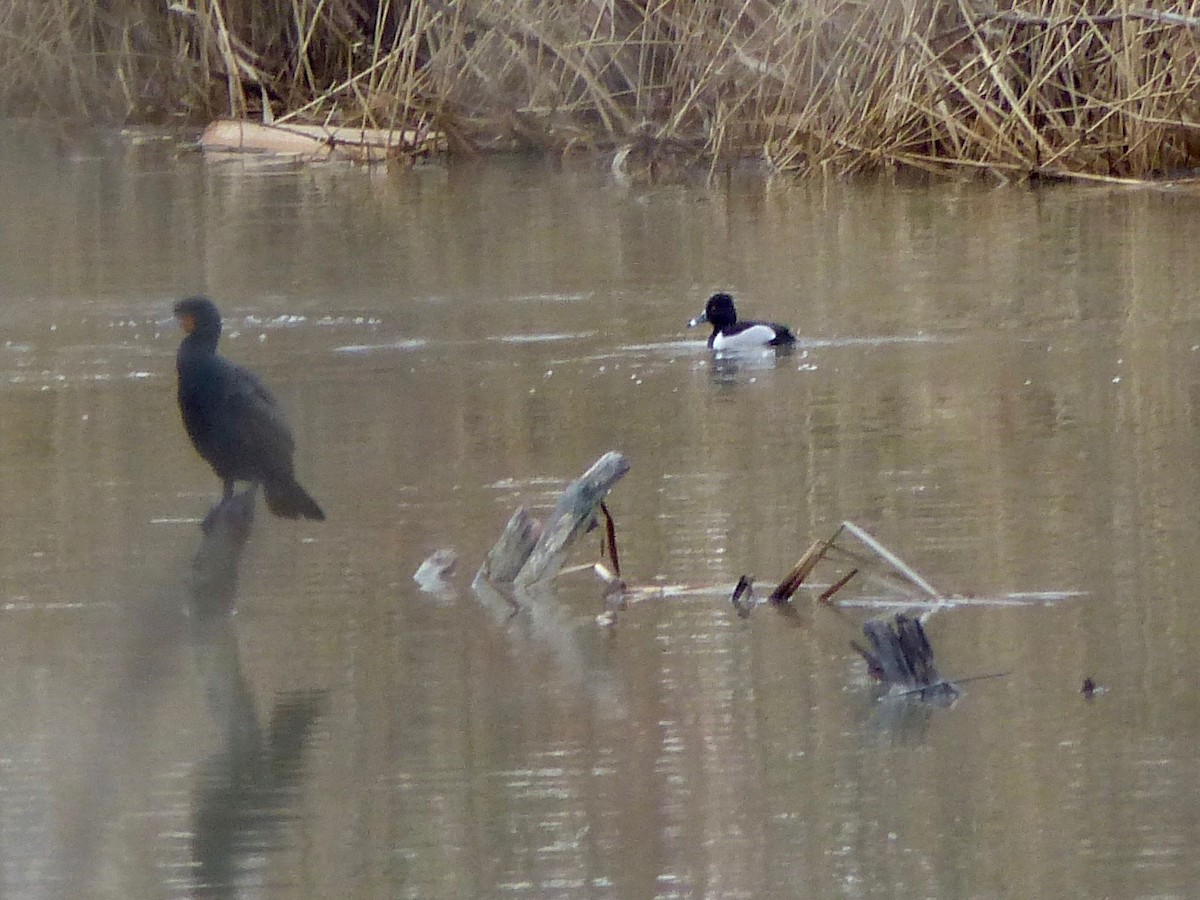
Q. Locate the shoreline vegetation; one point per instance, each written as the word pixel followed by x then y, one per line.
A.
pixel 1033 89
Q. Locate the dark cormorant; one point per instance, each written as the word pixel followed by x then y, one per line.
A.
pixel 234 422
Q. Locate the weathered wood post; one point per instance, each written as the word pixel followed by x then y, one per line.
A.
pixel 528 553
pixel 901 657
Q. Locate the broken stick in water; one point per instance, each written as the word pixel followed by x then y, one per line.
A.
pixel 876 562
pixel 791 582
pixel 899 566
pixel 827 594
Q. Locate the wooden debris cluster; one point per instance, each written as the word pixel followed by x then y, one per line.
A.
pixel 867 557
pixel 519 570
pixel 898 653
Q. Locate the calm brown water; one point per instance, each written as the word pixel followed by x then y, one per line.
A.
pixel 1001 384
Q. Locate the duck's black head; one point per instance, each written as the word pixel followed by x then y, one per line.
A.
pixel 199 318
pixel 718 312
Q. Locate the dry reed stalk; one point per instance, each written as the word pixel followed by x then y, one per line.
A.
pixel 835 86
pixel 791 582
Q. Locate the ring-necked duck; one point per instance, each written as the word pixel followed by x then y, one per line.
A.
pixel 730 334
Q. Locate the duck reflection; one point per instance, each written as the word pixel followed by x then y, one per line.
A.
pixel 729 367
pixel 244 794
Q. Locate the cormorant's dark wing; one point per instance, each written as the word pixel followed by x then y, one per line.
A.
pixel 253 425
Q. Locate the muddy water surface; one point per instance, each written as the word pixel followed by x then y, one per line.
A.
pixel 1001 384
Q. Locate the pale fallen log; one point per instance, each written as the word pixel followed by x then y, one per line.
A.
pixel 318 143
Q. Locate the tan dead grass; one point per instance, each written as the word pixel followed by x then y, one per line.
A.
pixel 1045 87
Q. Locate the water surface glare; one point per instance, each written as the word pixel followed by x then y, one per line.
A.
pixel 999 383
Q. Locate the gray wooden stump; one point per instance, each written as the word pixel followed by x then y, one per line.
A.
pixel 528 553
pixel 902 658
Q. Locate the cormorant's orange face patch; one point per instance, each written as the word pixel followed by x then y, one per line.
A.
pixel 187 323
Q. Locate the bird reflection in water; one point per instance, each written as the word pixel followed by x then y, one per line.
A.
pixel 245 793
pixel 732 367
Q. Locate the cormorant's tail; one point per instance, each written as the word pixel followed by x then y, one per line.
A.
pixel 286 499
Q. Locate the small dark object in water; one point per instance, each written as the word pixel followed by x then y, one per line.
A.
pixel 743 596
pixel 730 334
pixel 1089 688
pixel 234 422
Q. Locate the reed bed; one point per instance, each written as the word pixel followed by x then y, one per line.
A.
pixel 1037 88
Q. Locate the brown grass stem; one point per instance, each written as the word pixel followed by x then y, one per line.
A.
pixel 826 86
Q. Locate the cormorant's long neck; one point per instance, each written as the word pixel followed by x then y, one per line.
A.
pixel 197 345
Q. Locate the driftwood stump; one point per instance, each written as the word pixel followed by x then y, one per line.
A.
pixel 527 552
pixel 504 560
pixel 901 657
